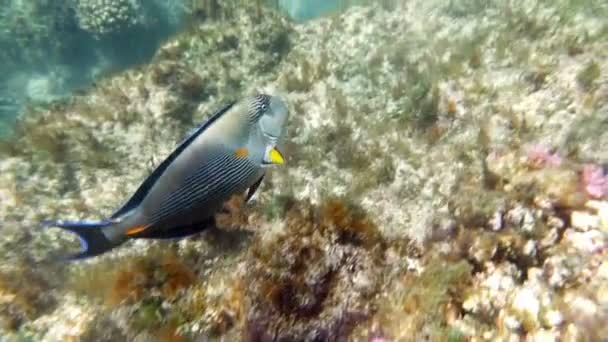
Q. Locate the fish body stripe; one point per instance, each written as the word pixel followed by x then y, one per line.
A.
pixel 181 198
pixel 234 177
pixel 145 187
pixel 202 176
pixel 184 197
pixel 199 197
pixel 202 173
pixel 205 185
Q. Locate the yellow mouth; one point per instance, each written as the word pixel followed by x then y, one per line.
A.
pixel 276 157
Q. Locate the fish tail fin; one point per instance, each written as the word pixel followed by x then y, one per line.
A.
pixel 92 239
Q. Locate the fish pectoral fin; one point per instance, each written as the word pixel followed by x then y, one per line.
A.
pixel 253 188
pixel 136 230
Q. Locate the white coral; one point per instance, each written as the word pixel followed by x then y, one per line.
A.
pixel 103 17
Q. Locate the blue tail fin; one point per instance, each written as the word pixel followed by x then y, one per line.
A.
pixel 92 240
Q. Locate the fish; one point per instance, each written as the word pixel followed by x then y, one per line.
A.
pixel 226 155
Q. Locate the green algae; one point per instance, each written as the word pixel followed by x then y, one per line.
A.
pixel 422 305
pixel 439 283
pixel 147 316
pixel 587 76
pixel 454 335
pixel 278 206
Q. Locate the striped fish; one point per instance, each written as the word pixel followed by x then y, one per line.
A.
pixel 226 155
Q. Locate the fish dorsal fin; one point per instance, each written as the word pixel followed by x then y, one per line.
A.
pixel 145 187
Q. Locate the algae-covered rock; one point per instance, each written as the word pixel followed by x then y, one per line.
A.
pixel 465 131
pixel 316 279
pixel 425 305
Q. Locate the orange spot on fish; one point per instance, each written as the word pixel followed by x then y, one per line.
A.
pixel 242 153
pixel 136 230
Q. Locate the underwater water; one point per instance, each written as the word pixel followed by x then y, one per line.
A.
pixel 50 49
pixel 420 170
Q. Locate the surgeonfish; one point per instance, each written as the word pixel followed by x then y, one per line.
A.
pixel 226 155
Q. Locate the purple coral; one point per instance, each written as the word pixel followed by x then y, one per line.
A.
pixel 540 156
pixel 595 182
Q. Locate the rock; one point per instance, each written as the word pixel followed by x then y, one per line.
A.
pixel 530 249
pixel 581 305
pixel 521 218
pixel 602 295
pixel 573 333
pixel 557 270
pixel 512 323
pixel 588 242
pixel 602 271
pixel 544 336
pixel 389 111
pixel 526 302
pixel 601 207
pixel 584 221
pixel 553 318
pixel 496 222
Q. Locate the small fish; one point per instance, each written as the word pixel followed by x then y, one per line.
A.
pixel 226 155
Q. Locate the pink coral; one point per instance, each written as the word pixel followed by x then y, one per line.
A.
pixel 540 156
pixel 595 182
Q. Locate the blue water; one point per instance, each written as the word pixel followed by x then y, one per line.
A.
pixel 301 10
pixel 47 53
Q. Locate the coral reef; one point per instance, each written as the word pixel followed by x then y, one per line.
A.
pixel 24 296
pixel 102 17
pixel 469 134
pixel 167 277
pixel 48 49
pixel 30 31
pixel 424 306
pixel 316 279
pixel 595 182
